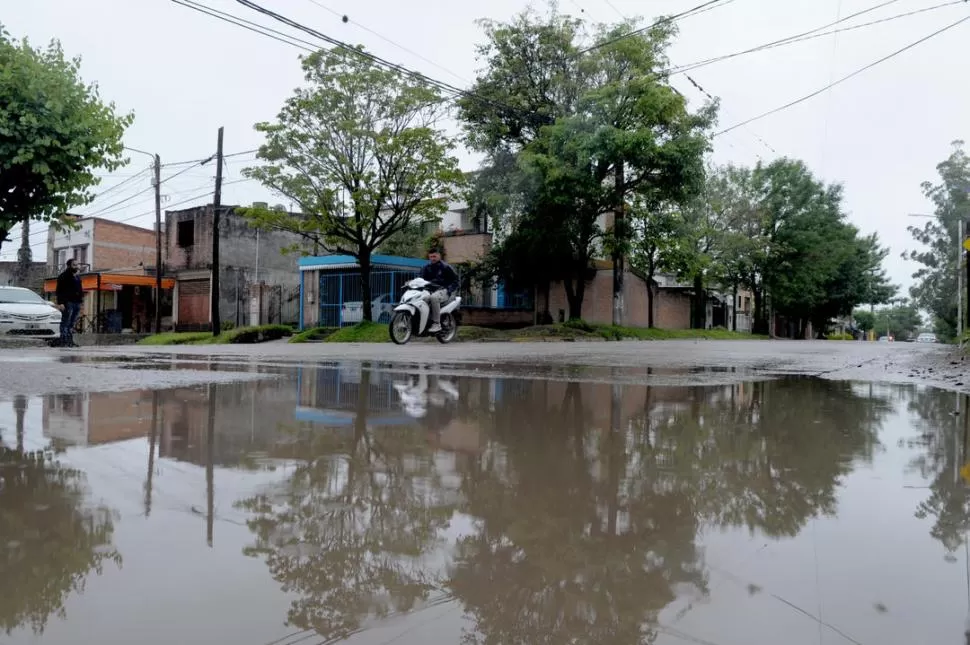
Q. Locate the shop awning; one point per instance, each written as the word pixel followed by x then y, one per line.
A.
pixel 112 282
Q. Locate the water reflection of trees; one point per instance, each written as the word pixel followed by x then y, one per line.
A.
pixel 587 505
pixel 51 541
pixel 942 435
pixel 348 533
pixel 588 523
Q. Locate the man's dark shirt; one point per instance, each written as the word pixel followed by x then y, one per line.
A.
pixel 69 288
pixel 441 275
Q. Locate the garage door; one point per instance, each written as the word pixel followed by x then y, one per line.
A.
pixel 193 302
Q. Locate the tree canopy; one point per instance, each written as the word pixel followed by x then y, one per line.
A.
pixel 936 280
pixel 587 130
pixel 55 133
pixel 358 150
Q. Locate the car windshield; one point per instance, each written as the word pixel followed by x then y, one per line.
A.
pixel 19 297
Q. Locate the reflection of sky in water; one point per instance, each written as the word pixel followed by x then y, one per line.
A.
pixel 873 570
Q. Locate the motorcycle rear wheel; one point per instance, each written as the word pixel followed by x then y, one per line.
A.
pixel 400 328
pixel 449 329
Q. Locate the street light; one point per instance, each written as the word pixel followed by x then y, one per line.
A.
pixel 157 182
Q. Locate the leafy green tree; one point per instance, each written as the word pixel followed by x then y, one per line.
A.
pixel 588 130
pixel 901 321
pixel 55 133
pixel 935 290
pixel 359 151
pixel 654 243
pixel 864 320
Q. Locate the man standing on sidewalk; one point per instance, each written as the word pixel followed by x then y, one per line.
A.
pixel 69 298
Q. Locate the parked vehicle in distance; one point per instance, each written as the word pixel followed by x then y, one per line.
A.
pixel 381 310
pixel 927 338
pixel 885 339
pixel 24 313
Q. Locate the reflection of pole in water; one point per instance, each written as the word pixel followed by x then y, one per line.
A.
pixel 616 454
pixel 20 407
pixel 209 457
pixel 152 442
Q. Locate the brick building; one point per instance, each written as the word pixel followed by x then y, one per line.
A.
pixel 258 278
pixel 117 263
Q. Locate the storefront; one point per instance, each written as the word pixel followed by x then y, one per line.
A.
pixel 116 302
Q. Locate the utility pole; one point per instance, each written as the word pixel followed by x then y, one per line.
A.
pixel 216 207
pixel 960 282
pixel 158 244
pixel 619 232
pixel 963 228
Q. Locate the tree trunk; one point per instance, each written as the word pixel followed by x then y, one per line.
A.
pixel 574 295
pixel 364 261
pixel 734 310
pixel 700 304
pixel 760 322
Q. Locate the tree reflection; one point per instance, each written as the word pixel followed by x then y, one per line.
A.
pixel 588 526
pixel 943 437
pixel 347 533
pixel 50 540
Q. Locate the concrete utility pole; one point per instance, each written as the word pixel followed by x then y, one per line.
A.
pixel 158 244
pixel 216 207
pixel 157 184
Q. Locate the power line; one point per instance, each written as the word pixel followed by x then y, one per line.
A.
pixel 120 184
pixel 810 35
pixel 385 38
pixel 844 78
pixel 656 23
pixel 206 159
pixel 249 25
pixel 711 97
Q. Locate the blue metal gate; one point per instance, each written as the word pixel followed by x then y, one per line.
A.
pixel 341 296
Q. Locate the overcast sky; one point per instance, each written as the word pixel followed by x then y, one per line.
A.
pixel 185 74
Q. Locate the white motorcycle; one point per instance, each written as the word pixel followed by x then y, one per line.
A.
pixel 412 316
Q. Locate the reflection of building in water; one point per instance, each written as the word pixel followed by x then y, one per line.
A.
pixel 331 397
pixel 82 419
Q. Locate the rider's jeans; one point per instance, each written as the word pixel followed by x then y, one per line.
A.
pixel 434 302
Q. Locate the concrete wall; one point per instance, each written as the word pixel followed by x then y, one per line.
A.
pixel 671 308
pixel 242 261
pixel 466 247
pixel 35 280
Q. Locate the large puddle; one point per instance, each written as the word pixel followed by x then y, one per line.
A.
pixel 343 504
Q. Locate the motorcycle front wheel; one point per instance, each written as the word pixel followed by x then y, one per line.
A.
pixel 400 328
pixel 449 329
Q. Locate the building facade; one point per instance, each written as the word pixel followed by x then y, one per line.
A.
pixel 258 280
pixel 117 264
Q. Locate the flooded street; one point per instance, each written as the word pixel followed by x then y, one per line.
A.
pixel 354 504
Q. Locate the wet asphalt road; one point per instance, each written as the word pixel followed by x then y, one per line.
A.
pixel 38 371
pixel 735 493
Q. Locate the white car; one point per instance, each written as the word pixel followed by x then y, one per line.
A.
pixel 381 310
pixel 24 313
pixel 926 338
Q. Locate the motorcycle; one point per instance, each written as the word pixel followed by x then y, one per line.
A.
pixel 412 316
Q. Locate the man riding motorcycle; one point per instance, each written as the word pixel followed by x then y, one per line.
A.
pixel 445 280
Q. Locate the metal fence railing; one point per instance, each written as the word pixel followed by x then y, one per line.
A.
pixel 342 301
pixel 341 296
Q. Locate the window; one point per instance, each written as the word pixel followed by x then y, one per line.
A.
pixel 81 255
pixel 60 258
pixel 747 305
pixel 185 233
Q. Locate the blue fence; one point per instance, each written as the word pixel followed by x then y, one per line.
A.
pixel 342 300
